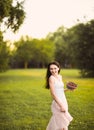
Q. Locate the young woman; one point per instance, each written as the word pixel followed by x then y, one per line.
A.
pixel 60 116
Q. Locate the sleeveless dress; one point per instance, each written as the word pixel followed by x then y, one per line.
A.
pixel 59 120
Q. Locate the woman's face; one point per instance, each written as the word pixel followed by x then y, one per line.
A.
pixel 54 69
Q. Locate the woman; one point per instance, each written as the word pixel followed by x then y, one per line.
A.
pixel 60 116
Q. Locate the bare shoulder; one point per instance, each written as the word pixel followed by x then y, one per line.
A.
pixel 60 76
pixel 51 78
pixel 51 82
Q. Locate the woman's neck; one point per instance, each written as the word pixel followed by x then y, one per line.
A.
pixel 57 76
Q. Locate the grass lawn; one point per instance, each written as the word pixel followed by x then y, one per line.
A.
pixel 25 103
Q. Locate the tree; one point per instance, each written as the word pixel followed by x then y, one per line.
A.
pixel 81 44
pixel 11 14
pixel 74 47
pixel 24 51
pixel 43 52
pixel 4 54
pixel 33 53
pixel 58 37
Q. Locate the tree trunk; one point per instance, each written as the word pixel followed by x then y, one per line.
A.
pixel 25 64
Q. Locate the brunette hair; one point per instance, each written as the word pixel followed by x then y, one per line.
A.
pixel 48 73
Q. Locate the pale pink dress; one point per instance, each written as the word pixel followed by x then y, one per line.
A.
pixel 59 120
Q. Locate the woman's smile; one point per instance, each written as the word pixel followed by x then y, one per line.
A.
pixel 54 69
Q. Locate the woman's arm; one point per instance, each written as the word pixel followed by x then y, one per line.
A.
pixel 66 89
pixel 51 84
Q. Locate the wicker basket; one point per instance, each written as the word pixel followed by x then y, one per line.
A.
pixel 71 85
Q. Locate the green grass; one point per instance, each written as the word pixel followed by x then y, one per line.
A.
pixel 25 103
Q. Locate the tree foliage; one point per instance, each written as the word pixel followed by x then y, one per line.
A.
pixel 11 16
pixel 74 47
pixel 11 13
pixel 81 44
pixel 34 52
pixel 4 54
pixel 23 52
pixel 58 38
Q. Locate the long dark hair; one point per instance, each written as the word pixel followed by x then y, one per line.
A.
pixel 48 73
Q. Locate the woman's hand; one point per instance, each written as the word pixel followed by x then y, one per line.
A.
pixel 62 109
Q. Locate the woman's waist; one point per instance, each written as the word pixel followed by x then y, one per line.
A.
pixel 60 94
pixel 54 103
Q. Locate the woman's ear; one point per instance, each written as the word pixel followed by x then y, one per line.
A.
pixel 58 69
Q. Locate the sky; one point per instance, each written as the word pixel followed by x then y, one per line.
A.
pixel 44 16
